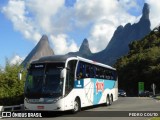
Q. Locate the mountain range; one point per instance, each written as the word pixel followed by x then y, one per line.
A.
pixel 122 37
pixel 117 47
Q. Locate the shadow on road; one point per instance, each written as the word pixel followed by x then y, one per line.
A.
pixel 68 113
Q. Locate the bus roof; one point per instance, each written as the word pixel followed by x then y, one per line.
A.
pixel 54 58
pixel 95 63
pixel 63 58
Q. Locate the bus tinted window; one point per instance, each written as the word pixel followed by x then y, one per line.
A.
pixel 92 71
pixel 87 70
pixel 81 71
pixel 97 72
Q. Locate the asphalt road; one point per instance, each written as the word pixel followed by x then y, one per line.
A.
pixel 123 104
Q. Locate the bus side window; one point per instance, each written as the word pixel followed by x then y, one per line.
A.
pixel 112 75
pixel 101 73
pixel 107 74
pixel 92 74
pixel 94 71
pixel 87 75
pixel 83 70
pixel 97 72
pixel 80 71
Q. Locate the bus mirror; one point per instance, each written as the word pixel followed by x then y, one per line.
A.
pixel 20 75
pixel 61 83
pixel 67 68
pixel 63 73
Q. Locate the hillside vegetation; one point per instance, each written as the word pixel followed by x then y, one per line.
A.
pixel 142 64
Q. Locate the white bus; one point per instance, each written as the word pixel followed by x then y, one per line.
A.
pixel 60 83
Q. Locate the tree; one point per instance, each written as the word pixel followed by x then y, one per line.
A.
pixel 11 89
pixel 142 64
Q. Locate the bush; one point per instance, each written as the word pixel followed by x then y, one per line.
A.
pixel 11 88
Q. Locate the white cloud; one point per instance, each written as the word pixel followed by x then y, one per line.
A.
pixel 62 44
pixel 100 35
pixel 105 22
pixel 44 11
pixel 16 60
pixel 15 11
pixel 154 12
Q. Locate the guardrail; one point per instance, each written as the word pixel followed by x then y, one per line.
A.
pixel 14 108
pixel 11 108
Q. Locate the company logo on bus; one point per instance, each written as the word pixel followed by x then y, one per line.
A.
pixel 79 84
pixel 99 86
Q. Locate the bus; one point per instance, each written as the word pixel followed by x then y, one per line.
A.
pixel 60 83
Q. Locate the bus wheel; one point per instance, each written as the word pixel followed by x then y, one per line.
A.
pixel 107 100
pixel 77 106
pixel 110 100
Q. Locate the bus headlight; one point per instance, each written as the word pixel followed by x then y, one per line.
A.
pixel 53 100
pixel 50 100
pixel 56 99
pixel 26 100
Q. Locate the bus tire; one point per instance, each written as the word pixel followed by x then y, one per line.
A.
pixel 110 100
pixel 107 100
pixel 77 106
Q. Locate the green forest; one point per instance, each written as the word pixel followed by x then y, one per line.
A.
pixel 141 64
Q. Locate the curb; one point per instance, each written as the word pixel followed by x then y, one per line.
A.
pixel 155 98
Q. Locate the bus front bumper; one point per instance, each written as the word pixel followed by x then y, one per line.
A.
pixel 58 106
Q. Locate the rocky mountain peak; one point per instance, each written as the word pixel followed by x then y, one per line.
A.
pixel 85 47
pixel 40 50
pixel 145 11
pixel 43 41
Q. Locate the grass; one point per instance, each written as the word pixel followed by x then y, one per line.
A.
pixel 155 118
pixel 158 97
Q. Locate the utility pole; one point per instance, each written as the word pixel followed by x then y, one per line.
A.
pixel 153 86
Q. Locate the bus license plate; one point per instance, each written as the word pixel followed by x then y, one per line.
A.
pixel 40 107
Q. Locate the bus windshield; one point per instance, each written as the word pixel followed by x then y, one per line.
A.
pixel 43 81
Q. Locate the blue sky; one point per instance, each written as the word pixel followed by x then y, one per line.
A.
pixel 65 22
pixel 11 42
